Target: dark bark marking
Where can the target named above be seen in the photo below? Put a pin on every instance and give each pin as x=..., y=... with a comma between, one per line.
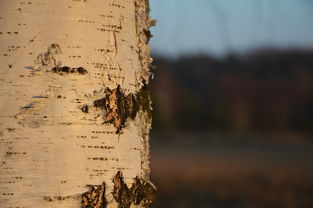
x=58, y=198
x=121, y=193
x=118, y=107
x=141, y=192
x=94, y=197
x=28, y=106
x=85, y=108
x=68, y=70
x=148, y=34
x=51, y=58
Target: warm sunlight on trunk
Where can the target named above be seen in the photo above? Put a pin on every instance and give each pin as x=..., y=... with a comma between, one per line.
x=75, y=107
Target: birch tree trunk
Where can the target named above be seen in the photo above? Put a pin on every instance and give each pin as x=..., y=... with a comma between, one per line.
x=75, y=110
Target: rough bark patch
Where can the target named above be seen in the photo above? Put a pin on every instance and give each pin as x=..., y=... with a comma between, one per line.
x=141, y=192
x=118, y=107
x=95, y=197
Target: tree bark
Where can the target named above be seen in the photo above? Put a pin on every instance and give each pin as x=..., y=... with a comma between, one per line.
x=75, y=110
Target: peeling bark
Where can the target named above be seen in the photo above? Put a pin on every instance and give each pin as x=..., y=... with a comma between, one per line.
x=75, y=107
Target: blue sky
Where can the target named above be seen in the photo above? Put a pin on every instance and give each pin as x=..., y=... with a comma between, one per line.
x=220, y=26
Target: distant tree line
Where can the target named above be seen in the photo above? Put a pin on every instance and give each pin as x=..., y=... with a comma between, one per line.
x=264, y=90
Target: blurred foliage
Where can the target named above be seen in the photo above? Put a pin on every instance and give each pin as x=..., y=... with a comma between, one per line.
x=263, y=90
x=242, y=191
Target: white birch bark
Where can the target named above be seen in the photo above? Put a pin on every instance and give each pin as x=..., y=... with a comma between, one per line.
x=57, y=58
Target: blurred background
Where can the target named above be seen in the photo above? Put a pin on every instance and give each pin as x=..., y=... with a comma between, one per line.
x=233, y=103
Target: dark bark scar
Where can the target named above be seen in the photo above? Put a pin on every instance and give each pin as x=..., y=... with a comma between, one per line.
x=117, y=107
x=140, y=193
x=94, y=197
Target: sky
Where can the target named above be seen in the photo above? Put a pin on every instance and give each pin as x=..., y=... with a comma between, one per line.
x=221, y=26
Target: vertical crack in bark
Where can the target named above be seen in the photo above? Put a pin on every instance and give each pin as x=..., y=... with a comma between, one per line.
x=141, y=192
x=95, y=197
